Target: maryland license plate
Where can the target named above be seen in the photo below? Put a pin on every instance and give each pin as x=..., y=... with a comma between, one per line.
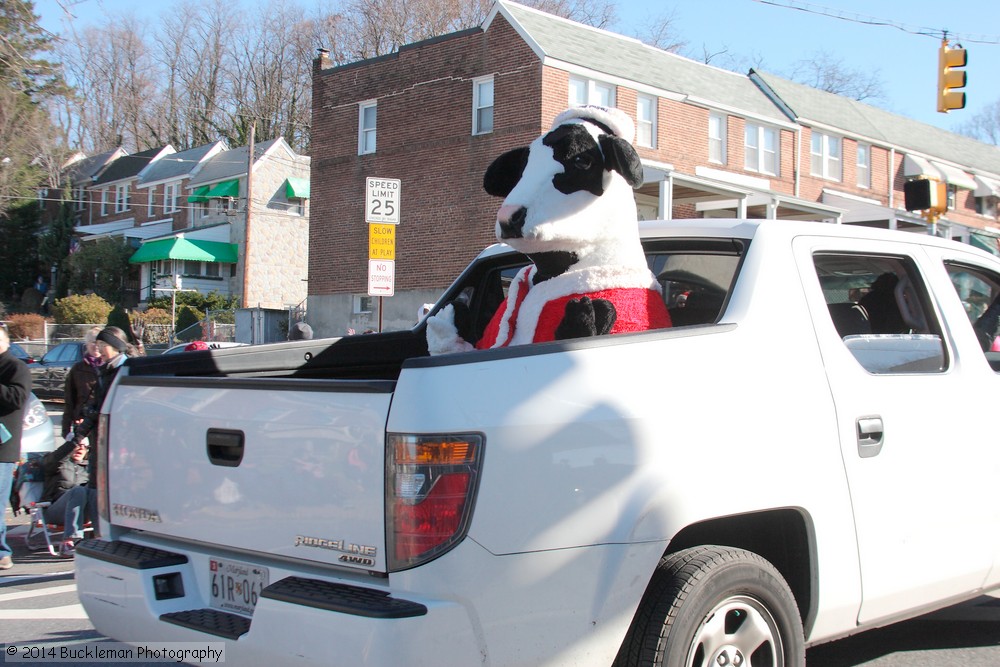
x=236, y=586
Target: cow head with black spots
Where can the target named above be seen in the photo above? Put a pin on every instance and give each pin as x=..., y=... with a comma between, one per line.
x=568, y=196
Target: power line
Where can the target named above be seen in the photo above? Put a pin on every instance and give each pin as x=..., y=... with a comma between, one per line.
x=852, y=17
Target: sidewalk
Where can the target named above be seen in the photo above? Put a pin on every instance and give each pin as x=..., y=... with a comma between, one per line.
x=29, y=563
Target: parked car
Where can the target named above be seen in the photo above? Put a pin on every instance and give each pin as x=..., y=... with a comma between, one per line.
x=48, y=374
x=21, y=353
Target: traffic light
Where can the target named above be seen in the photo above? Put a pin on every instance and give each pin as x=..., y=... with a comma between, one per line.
x=951, y=77
x=925, y=194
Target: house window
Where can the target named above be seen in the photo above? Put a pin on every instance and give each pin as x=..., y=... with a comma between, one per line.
x=205, y=208
x=362, y=304
x=824, y=156
x=587, y=91
x=645, y=127
x=192, y=268
x=212, y=269
x=80, y=198
x=121, y=198
x=986, y=206
x=717, y=138
x=761, y=152
x=104, y=201
x=171, y=195
x=150, y=198
x=952, y=196
x=864, y=167
x=366, y=127
x=482, y=105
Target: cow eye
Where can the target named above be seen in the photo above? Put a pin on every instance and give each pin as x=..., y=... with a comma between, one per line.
x=583, y=162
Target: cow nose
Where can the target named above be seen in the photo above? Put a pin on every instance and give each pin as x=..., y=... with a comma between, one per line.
x=511, y=220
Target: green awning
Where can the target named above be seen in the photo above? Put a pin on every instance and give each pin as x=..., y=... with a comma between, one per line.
x=984, y=241
x=225, y=189
x=297, y=188
x=181, y=248
x=198, y=195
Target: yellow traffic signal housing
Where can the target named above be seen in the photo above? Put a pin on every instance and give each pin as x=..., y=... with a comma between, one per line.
x=950, y=77
x=925, y=194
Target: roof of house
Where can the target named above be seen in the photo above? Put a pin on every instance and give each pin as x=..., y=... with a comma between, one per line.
x=230, y=164
x=811, y=105
x=83, y=171
x=558, y=39
x=179, y=164
x=130, y=166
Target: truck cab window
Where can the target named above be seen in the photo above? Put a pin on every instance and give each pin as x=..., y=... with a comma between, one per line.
x=979, y=292
x=880, y=308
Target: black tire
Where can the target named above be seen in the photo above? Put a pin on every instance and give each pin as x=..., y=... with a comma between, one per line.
x=715, y=606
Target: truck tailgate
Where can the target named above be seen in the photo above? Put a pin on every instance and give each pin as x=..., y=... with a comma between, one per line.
x=292, y=468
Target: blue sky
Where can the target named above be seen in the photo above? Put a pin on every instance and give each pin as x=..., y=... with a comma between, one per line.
x=772, y=34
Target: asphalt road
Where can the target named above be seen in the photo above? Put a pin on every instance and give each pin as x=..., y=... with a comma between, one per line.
x=38, y=605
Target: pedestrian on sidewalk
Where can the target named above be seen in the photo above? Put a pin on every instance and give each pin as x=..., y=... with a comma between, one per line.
x=15, y=386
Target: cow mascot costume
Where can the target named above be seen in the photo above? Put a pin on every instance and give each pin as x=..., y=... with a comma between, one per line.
x=569, y=207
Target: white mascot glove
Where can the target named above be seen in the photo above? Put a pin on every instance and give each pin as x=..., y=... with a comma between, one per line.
x=442, y=336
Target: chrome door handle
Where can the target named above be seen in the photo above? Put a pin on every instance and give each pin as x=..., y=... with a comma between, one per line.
x=871, y=435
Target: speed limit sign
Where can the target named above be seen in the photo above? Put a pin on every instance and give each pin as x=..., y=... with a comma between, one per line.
x=382, y=200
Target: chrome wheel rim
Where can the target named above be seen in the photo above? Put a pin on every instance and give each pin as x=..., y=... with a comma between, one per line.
x=738, y=632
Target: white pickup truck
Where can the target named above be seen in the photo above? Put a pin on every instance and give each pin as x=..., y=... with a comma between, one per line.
x=799, y=458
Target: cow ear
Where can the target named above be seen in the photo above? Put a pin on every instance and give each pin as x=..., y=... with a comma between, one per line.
x=505, y=172
x=620, y=156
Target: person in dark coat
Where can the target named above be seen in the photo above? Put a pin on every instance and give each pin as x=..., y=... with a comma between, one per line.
x=80, y=381
x=66, y=488
x=114, y=348
x=15, y=386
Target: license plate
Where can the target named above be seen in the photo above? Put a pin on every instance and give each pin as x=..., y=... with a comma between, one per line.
x=235, y=586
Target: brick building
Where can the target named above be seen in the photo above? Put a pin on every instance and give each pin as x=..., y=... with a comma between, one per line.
x=186, y=214
x=713, y=144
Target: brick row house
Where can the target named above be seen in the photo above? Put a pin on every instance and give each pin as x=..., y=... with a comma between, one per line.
x=186, y=215
x=713, y=143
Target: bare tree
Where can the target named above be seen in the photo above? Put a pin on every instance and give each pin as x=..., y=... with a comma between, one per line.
x=662, y=33
x=984, y=126
x=827, y=72
x=116, y=84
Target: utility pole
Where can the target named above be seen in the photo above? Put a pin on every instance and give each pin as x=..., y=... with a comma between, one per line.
x=246, y=226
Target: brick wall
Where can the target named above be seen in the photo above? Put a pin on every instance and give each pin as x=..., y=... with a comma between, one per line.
x=424, y=137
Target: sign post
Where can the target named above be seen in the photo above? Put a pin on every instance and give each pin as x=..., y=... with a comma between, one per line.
x=382, y=211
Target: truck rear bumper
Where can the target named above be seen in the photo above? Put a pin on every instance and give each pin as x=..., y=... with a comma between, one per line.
x=468, y=607
x=131, y=594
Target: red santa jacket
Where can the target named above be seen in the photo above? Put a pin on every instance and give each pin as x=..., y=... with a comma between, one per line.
x=531, y=313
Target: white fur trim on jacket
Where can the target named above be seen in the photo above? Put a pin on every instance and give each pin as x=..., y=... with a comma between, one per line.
x=580, y=281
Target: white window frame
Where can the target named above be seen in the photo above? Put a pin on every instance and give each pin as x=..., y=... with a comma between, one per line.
x=589, y=91
x=104, y=201
x=171, y=197
x=756, y=149
x=645, y=121
x=826, y=153
x=366, y=147
x=987, y=206
x=863, y=166
x=718, y=135
x=121, y=198
x=362, y=303
x=151, y=192
x=80, y=198
x=480, y=104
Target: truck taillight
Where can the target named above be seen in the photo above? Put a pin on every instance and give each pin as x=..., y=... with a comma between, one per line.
x=430, y=490
x=103, y=506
